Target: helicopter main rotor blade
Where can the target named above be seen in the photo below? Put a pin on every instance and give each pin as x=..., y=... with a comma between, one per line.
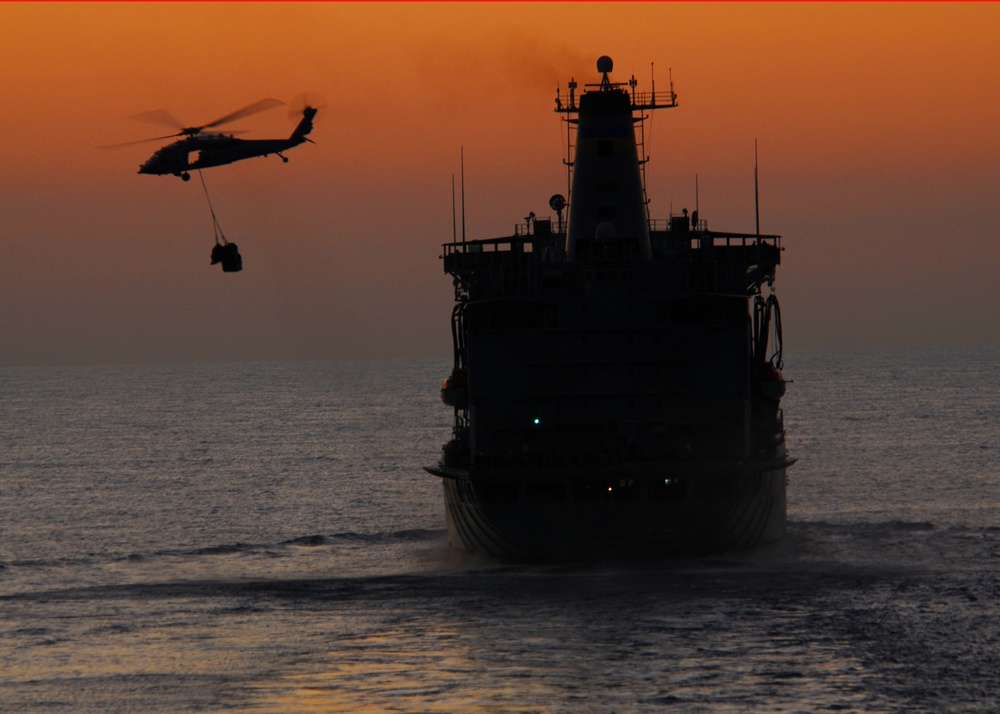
x=260, y=106
x=111, y=147
x=160, y=116
x=165, y=118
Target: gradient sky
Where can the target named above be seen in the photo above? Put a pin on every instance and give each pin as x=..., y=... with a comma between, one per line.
x=878, y=129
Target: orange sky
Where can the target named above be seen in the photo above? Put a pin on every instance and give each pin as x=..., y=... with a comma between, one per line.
x=878, y=128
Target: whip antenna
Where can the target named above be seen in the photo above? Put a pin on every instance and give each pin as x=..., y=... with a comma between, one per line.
x=756, y=195
x=454, y=229
x=463, y=194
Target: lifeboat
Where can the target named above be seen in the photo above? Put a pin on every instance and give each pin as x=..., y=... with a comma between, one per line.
x=455, y=390
x=770, y=382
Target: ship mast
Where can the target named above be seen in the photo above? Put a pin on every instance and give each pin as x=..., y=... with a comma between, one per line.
x=607, y=197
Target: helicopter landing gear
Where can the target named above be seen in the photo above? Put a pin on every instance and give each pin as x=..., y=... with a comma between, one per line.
x=185, y=176
x=283, y=158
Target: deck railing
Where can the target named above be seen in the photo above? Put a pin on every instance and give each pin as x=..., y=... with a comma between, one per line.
x=525, y=240
x=523, y=263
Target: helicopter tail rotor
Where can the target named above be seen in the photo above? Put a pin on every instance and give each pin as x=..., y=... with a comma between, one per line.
x=297, y=107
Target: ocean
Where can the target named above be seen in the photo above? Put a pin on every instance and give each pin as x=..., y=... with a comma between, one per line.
x=262, y=537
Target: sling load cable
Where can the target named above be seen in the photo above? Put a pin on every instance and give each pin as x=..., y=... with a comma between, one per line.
x=224, y=252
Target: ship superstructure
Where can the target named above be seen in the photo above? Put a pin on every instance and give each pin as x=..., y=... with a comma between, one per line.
x=616, y=381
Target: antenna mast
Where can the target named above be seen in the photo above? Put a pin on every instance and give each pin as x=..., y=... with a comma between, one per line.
x=756, y=195
x=463, y=193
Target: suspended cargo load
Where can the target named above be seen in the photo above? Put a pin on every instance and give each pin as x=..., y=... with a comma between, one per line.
x=229, y=256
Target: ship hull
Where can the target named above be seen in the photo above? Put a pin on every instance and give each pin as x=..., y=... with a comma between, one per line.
x=572, y=515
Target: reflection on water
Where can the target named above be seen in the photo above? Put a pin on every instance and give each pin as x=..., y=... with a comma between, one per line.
x=592, y=642
x=263, y=537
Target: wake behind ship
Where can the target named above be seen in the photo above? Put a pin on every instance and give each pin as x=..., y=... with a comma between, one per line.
x=616, y=380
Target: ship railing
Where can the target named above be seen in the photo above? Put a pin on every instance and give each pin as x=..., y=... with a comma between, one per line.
x=506, y=266
x=538, y=226
x=733, y=240
x=654, y=100
x=681, y=228
x=521, y=247
x=721, y=262
x=640, y=101
x=491, y=246
x=678, y=224
x=519, y=264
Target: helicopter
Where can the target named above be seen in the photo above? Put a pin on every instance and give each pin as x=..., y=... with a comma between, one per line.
x=216, y=148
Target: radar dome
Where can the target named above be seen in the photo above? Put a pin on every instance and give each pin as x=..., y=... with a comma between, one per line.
x=604, y=64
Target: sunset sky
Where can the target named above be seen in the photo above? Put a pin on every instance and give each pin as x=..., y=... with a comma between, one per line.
x=878, y=127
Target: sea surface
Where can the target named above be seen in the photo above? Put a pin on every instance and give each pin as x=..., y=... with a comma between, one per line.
x=262, y=537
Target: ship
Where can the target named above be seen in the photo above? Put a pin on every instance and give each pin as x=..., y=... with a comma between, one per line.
x=617, y=379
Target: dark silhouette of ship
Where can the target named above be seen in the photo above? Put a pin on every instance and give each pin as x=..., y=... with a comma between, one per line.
x=616, y=380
